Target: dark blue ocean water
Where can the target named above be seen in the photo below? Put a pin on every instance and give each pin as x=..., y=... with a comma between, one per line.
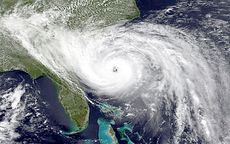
x=146, y=7
x=46, y=116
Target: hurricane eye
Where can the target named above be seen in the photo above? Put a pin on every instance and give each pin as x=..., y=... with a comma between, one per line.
x=115, y=69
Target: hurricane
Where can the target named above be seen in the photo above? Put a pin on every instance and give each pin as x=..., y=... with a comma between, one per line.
x=157, y=67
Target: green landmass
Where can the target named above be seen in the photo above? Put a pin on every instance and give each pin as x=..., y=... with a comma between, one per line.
x=14, y=57
x=77, y=13
x=80, y=13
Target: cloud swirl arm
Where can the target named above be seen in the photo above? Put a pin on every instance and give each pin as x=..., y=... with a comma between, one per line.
x=160, y=66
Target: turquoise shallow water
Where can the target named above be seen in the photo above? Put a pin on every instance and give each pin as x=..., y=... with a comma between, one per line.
x=122, y=130
x=104, y=131
x=207, y=16
x=106, y=137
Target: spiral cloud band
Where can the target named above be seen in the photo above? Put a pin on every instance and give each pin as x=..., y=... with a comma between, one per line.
x=143, y=60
